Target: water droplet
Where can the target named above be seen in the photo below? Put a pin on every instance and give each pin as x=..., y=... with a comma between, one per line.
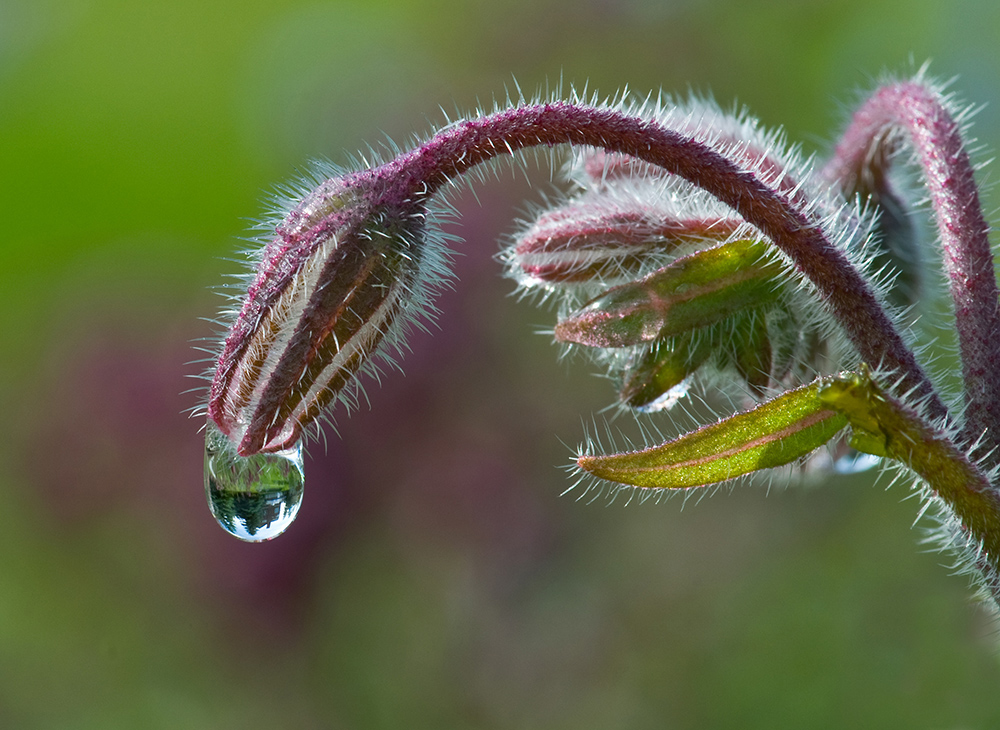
x=669, y=399
x=855, y=462
x=256, y=497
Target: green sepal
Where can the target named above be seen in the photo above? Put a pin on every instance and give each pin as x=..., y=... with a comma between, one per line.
x=653, y=372
x=856, y=396
x=773, y=434
x=752, y=352
x=694, y=291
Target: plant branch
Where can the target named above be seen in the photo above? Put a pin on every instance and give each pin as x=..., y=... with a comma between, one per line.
x=883, y=426
x=777, y=213
x=919, y=111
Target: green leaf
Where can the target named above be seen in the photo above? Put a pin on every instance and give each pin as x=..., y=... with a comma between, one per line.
x=773, y=434
x=694, y=291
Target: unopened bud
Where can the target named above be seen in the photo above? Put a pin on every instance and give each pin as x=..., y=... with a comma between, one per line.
x=593, y=238
x=329, y=287
x=752, y=354
x=653, y=375
x=694, y=291
x=897, y=248
x=896, y=243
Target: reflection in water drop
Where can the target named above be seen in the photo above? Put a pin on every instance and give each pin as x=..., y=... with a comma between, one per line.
x=256, y=497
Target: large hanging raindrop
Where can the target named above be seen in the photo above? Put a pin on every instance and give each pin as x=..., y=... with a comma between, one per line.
x=256, y=497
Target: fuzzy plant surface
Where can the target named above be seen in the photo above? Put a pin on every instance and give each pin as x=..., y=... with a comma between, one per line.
x=693, y=254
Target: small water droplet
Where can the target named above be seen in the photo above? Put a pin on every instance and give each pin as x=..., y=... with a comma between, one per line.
x=669, y=399
x=256, y=497
x=855, y=462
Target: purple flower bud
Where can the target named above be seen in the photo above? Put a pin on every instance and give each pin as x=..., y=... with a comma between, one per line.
x=340, y=270
x=593, y=238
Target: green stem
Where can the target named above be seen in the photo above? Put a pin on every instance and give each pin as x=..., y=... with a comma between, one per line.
x=883, y=426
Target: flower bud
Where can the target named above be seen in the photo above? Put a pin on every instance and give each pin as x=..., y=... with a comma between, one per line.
x=653, y=375
x=896, y=246
x=752, y=353
x=596, y=238
x=700, y=289
x=329, y=287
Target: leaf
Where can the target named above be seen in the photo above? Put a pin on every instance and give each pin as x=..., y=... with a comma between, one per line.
x=773, y=434
x=694, y=291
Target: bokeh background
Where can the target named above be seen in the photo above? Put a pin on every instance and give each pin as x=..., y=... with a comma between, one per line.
x=436, y=578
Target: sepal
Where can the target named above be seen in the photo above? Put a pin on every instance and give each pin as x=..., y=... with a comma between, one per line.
x=773, y=434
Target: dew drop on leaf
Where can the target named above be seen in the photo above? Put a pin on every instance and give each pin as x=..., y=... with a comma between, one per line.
x=256, y=497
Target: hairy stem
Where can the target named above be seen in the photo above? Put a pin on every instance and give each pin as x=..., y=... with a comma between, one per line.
x=776, y=213
x=919, y=112
x=880, y=421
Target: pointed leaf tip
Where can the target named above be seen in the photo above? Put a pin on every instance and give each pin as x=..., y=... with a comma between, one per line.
x=773, y=434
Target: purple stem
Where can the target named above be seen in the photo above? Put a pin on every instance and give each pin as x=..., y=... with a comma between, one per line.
x=779, y=214
x=918, y=111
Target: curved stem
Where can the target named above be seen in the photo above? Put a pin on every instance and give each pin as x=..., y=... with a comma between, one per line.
x=781, y=216
x=878, y=420
x=918, y=111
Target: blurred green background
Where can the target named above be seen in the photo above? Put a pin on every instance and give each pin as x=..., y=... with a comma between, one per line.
x=435, y=579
